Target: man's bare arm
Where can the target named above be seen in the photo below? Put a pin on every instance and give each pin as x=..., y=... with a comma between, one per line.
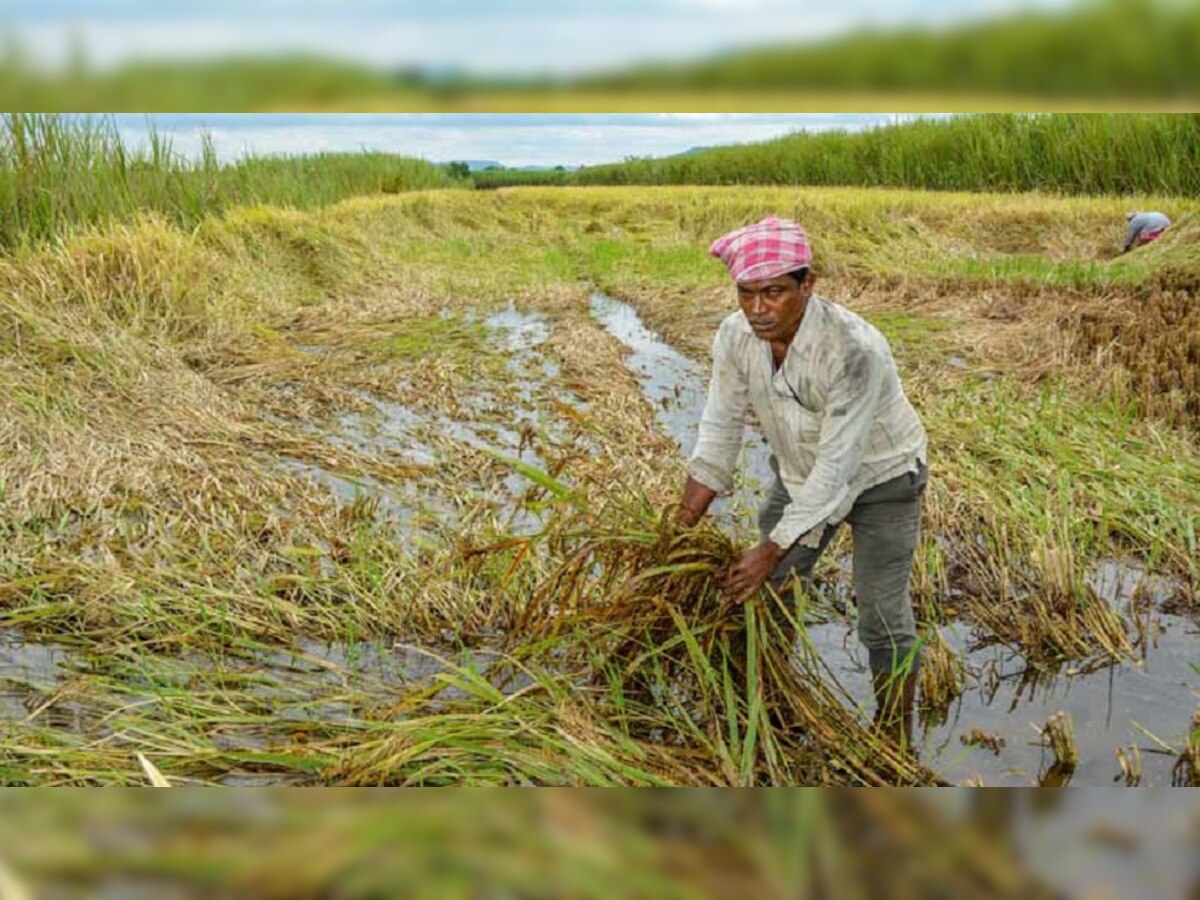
x=695, y=502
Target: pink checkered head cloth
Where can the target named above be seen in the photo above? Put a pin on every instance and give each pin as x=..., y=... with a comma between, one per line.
x=766, y=249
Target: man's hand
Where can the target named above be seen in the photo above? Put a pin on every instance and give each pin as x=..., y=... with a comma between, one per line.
x=752, y=570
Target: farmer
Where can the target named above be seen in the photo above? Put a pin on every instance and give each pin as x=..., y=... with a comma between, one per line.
x=846, y=446
x=1144, y=227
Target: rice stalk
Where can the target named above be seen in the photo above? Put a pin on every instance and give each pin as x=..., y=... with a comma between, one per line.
x=156, y=777
x=1059, y=735
x=1186, y=771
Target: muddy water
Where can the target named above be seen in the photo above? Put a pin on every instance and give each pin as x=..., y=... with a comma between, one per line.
x=502, y=427
x=27, y=671
x=310, y=683
x=1145, y=704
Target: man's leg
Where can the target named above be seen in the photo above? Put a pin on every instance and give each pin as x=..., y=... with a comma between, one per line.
x=886, y=524
x=798, y=563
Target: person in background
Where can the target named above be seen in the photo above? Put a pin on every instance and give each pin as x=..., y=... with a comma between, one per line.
x=1144, y=227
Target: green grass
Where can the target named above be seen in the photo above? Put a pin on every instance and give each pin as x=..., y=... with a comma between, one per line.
x=911, y=334
x=497, y=178
x=58, y=175
x=1061, y=153
x=436, y=336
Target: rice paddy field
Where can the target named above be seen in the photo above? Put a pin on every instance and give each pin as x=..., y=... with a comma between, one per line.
x=380, y=493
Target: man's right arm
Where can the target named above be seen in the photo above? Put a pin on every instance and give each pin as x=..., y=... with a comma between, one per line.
x=710, y=469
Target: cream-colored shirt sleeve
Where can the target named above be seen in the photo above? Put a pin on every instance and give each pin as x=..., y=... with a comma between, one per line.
x=845, y=428
x=724, y=420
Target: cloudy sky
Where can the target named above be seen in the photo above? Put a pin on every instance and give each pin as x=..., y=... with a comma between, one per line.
x=487, y=37
x=514, y=139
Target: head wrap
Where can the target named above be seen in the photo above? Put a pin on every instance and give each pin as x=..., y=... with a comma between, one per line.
x=766, y=249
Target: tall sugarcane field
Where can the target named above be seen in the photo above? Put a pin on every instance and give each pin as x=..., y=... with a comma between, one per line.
x=378, y=483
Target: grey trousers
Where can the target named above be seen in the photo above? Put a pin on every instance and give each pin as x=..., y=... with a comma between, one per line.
x=885, y=524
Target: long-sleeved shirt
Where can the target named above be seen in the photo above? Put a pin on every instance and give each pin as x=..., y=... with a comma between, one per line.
x=1144, y=223
x=833, y=413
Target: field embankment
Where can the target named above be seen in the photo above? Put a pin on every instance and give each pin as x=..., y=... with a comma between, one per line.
x=245, y=459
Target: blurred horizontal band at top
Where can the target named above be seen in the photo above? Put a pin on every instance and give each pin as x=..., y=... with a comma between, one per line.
x=678, y=55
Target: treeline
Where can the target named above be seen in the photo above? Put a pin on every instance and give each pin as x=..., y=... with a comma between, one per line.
x=485, y=179
x=1062, y=153
x=58, y=173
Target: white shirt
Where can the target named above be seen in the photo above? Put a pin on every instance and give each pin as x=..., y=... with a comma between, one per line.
x=834, y=415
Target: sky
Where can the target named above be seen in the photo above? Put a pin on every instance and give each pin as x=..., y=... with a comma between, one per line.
x=483, y=37
x=513, y=139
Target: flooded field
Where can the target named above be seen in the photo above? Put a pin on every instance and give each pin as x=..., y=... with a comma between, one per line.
x=407, y=519
x=990, y=732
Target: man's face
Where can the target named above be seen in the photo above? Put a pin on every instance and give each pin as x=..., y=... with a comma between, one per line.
x=775, y=306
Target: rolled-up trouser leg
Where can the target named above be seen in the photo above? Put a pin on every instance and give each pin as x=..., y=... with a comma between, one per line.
x=886, y=523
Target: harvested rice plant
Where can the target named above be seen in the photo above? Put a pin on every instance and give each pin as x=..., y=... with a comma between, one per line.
x=380, y=492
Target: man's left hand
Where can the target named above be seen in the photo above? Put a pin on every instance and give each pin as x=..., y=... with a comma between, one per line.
x=752, y=569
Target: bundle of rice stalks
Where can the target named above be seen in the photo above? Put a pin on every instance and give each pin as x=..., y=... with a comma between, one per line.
x=1151, y=338
x=647, y=571
x=1051, y=614
x=642, y=598
x=629, y=665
